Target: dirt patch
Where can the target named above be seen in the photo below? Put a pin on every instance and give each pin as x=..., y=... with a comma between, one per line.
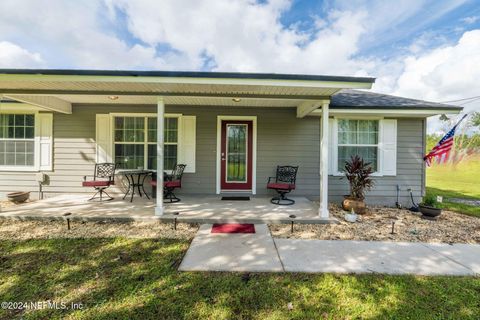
x=451, y=227
x=20, y=230
x=45, y=229
x=7, y=204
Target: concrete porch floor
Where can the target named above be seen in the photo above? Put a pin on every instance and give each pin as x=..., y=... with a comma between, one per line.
x=197, y=209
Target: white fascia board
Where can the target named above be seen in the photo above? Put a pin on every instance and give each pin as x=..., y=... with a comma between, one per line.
x=45, y=102
x=424, y=113
x=188, y=80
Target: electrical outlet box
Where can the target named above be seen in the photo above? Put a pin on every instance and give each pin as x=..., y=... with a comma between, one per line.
x=40, y=177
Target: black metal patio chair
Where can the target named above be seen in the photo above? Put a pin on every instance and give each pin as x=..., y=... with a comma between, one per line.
x=283, y=183
x=103, y=177
x=170, y=183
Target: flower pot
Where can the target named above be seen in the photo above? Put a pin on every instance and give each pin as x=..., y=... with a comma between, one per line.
x=429, y=211
x=351, y=217
x=18, y=197
x=357, y=205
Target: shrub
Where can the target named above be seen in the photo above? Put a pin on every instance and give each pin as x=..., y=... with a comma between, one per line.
x=430, y=200
x=358, y=173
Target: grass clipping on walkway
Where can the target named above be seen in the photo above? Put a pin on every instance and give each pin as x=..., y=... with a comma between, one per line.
x=451, y=227
x=119, y=278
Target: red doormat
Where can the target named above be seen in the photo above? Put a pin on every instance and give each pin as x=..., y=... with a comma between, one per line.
x=233, y=228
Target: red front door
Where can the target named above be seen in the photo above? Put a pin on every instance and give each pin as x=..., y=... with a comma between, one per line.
x=236, y=155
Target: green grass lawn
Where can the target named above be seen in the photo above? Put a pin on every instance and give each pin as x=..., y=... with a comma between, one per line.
x=137, y=279
x=462, y=181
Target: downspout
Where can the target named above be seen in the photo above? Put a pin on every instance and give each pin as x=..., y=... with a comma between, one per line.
x=424, y=151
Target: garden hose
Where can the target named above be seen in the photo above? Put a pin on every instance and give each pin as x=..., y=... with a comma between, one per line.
x=414, y=208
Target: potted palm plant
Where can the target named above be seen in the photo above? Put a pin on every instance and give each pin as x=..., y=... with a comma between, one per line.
x=429, y=206
x=358, y=174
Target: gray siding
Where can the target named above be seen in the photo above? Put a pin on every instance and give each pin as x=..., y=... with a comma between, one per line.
x=281, y=139
x=410, y=169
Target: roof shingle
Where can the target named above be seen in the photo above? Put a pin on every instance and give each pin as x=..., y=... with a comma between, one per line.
x=347, y=98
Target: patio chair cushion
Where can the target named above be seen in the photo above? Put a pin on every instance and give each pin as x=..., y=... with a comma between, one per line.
x=173, y=184
x=97, y=183
x=281, y=186
x=153, y=183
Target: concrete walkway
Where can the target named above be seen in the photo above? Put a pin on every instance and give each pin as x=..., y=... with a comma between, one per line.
x=260, y=253
x=232, y=252
x=338, y=256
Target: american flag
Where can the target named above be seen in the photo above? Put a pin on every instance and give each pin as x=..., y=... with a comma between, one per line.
x=441, y=151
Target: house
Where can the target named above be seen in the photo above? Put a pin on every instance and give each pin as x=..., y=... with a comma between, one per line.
x=61, y=122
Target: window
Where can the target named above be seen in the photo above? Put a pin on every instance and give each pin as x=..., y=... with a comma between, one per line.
x=17, y=140
x=135, y=142
x=358, y=137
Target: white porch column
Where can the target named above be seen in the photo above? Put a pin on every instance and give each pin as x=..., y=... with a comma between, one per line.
x=323, y=210
x=160, y=125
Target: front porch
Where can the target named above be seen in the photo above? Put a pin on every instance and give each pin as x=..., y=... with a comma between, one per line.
x=192, y=209
x=89, y=117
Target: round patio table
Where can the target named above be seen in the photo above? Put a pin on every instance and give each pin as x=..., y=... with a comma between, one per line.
x=140, y=175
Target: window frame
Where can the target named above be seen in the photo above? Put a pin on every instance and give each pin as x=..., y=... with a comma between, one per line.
x=146, y=143
x=334, y=140
x=36, y=141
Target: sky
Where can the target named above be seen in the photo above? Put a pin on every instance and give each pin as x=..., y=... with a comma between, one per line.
x=422, y=49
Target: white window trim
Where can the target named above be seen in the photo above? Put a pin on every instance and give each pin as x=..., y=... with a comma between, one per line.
x=143, y=115
x=334, y=140
x=219, y=148
x=36, y=139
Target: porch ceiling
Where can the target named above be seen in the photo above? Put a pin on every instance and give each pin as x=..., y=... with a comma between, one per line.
x=182, y=100
x=173, y=94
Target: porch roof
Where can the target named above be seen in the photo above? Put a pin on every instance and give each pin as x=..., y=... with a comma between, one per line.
x=58, y=89
x=356, y=99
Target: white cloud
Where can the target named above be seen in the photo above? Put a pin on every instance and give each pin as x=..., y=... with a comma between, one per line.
x=245, y=35
x=443, y=74
x=73, y=34
x=470, y=20
x=446, y=73
x=395, y=21
x=13, y=56
x=239, y=35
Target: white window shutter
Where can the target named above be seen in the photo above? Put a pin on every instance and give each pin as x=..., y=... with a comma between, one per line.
x=332, y=145
x=187, y=144
x=388, y=147
x=45, y=138
x=103, y=139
